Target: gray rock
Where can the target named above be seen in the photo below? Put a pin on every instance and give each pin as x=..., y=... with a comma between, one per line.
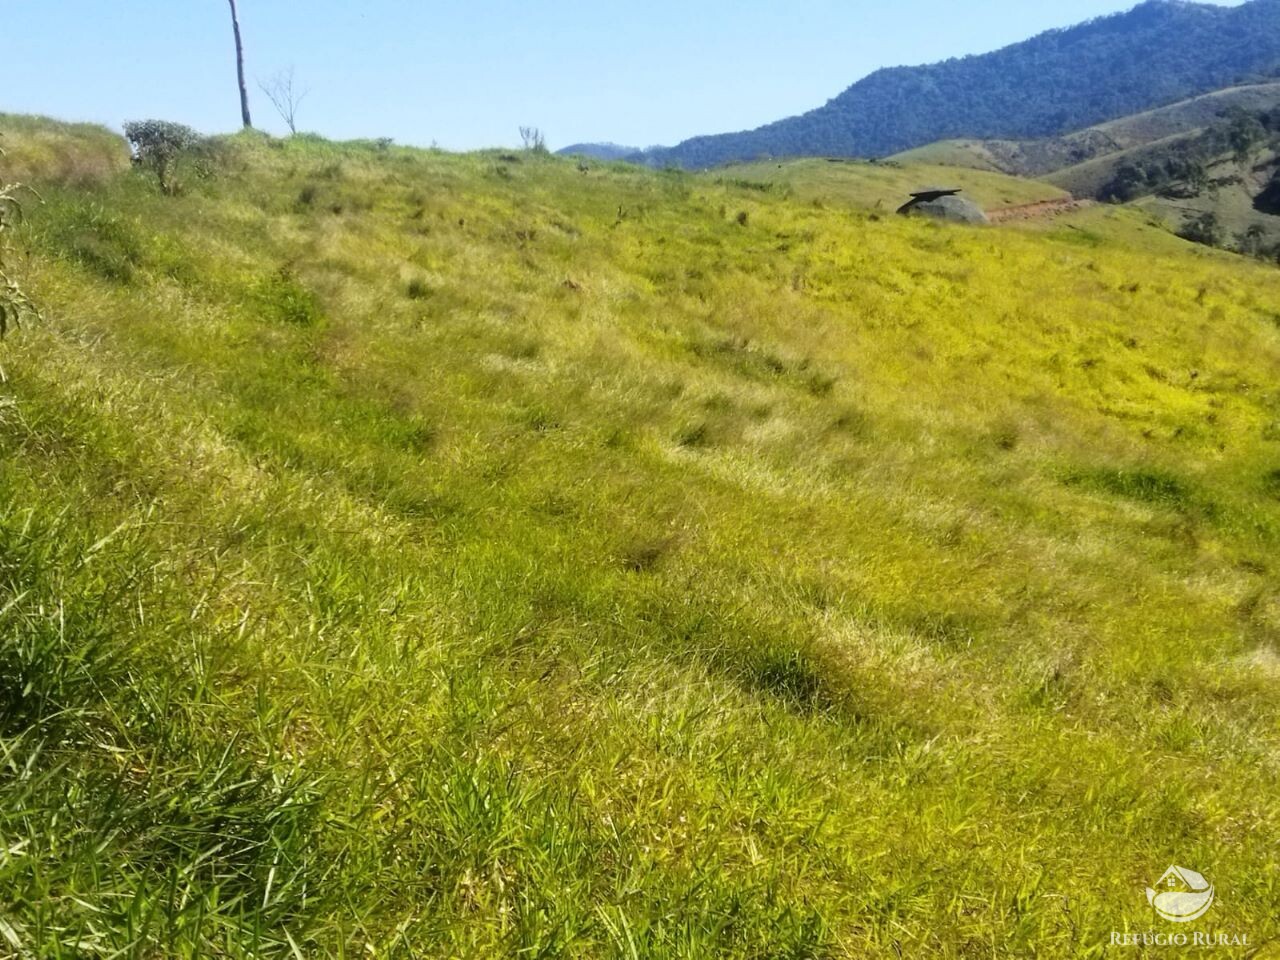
x=945, y=207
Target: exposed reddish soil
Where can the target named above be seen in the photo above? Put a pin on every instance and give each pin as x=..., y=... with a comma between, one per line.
x=1037, y=211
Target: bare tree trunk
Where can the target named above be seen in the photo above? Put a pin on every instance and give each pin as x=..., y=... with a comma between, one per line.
x=244, y=91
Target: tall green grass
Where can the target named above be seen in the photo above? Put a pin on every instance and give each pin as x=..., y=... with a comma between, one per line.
x=414, y=554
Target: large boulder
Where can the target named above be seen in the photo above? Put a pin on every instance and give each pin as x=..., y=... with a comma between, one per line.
x=948, y=207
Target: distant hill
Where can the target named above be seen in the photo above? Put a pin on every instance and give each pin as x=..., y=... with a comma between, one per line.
x=1035, y=158
x=1159, y=52
x=1218, y=185
x=1237, y=146
x=600, y=151
x=1208, y=167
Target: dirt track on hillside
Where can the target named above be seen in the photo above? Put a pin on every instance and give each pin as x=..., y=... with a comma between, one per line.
x=1040, y=210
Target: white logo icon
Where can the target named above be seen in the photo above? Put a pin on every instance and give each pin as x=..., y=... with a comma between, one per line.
x=1181, y=895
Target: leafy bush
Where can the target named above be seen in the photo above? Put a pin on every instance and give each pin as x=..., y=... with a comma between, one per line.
x=1128, y=183
x=1245, y=133
x=1252, y=242
x=157, y=144
x=1181, y=177
x=1205, y=228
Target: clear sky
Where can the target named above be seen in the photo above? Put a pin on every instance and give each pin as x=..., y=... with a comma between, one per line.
x=466, y=75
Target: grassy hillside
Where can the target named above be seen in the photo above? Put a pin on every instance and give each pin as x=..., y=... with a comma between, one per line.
x=1177, y=164
x=1230, y=196
x=1232, y=207
x=78, y=154
x=1088, y=178
x=964, y=154
x=1226, y=187
x=412, y=554
x=883, y=186
x=1098, y=148
x=1189, y=115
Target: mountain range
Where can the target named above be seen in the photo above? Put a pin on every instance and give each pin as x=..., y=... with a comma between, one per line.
x=1062, y=80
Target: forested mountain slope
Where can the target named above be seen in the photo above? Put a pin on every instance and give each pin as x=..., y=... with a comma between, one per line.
x=1063, y=80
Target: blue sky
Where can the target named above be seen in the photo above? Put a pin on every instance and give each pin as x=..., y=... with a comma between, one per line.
x=466, y=75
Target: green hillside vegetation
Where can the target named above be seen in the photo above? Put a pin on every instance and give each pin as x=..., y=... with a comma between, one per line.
x=79, y=154
x=1096, y=147
x=1191, y=115
x=1212, y=186
x=1238, y=143
x=878, y=185
x=1212, y=173
x=406, y=554
x=1092, y=177
x=964, y=154
x=1224, y=216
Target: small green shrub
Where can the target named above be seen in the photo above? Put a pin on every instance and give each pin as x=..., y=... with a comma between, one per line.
x=281, y=298
x=1205, y=228
x=158, y=144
